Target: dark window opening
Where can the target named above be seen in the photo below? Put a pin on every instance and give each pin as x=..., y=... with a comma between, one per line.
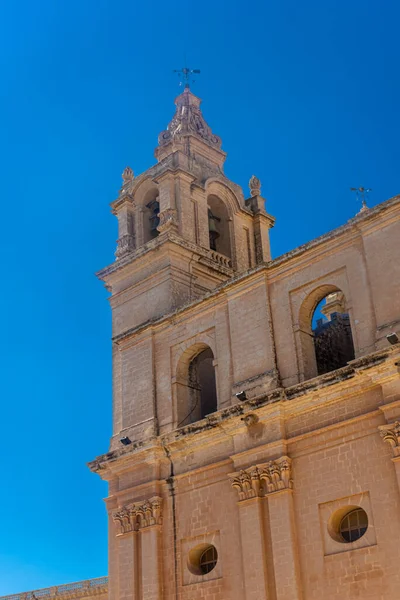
x=203, y=385
x=333, y=341
x=213, y=229
x=353, y=525
x=154, y=208
x=218, y=226
x=208, y=560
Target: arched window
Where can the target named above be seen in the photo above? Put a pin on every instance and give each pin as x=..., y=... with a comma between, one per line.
x=333, y=341
x=219, y=226
x=147, y=209
x=325, y=336
x=197, y=393
x=152, y=219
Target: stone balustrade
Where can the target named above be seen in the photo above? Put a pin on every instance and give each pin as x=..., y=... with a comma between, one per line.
x=221, y=259
x=87, y=587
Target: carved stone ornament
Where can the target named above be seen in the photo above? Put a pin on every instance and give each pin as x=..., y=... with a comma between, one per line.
x=255, y=186
x=168, y=220
x=138, y=515
x=188, y=119
x=127, y=175
x=391, y=434
x=125, y=245
x=263, y=479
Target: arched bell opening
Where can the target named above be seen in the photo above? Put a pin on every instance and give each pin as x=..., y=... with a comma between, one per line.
x=219, y=226
x=151, y=218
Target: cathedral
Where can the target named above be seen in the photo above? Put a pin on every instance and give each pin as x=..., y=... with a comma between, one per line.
x=255, y=452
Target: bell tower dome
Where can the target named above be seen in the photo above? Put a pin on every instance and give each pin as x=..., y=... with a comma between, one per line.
x=189, y=133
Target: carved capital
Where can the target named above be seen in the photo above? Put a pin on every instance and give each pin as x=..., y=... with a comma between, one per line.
x=277, y=475
x=247, y=483
x=391, y=433
x=138, y=515
x=264, y=479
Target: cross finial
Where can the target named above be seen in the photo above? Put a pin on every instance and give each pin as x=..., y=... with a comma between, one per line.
x=185, y=74
x=361, y=193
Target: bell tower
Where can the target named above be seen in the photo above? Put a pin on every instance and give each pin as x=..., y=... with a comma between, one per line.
x=184, y=228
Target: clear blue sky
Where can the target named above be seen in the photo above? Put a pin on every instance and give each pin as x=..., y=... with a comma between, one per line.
x=304, y=95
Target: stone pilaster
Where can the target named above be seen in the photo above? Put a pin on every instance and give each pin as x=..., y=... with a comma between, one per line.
x=128, y=567
x=124, y=209
x=270, y=480
x=248, y=486
x=390, y=433
x=167, y=199
x=139, y=531
x=151, y=565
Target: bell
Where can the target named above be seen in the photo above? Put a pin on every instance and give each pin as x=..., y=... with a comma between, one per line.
x=155, y=221
x=212, y=228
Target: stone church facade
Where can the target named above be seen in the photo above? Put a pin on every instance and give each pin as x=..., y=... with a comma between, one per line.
x=255, y=455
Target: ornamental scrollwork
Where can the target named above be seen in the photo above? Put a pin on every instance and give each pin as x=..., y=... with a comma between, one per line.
x=264, y=479
x=138, y=515
x=391, y=434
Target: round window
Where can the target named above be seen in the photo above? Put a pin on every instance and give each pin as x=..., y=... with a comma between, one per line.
x=202, y=559
x=353, y=525
x=208, y=559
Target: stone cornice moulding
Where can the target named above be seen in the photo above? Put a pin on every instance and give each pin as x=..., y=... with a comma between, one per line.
x=138, y=515
x=390, y=433
x=297, y=399
x=260, y=480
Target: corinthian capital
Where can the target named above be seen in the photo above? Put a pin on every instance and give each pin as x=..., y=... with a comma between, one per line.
x=264, y=479
x=246, y=483
x=277, y=475
x=391, y=433
x=138, y=515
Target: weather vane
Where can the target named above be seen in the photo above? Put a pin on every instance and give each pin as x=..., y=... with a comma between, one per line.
x=361, y=193
x=185, y=74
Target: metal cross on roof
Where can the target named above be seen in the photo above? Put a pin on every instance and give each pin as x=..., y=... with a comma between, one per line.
x=185, y=74
x=361, y=193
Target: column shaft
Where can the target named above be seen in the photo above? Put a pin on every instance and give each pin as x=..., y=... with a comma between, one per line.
x=128, y=567
x=151, y=565
x=285, y=554
x=253, y=549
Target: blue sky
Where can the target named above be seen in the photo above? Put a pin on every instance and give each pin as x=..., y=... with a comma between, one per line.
x=304, y=95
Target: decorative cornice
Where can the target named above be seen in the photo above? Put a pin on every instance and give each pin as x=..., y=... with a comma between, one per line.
x=264, y=479
x=391, y=433
x=138, y=515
